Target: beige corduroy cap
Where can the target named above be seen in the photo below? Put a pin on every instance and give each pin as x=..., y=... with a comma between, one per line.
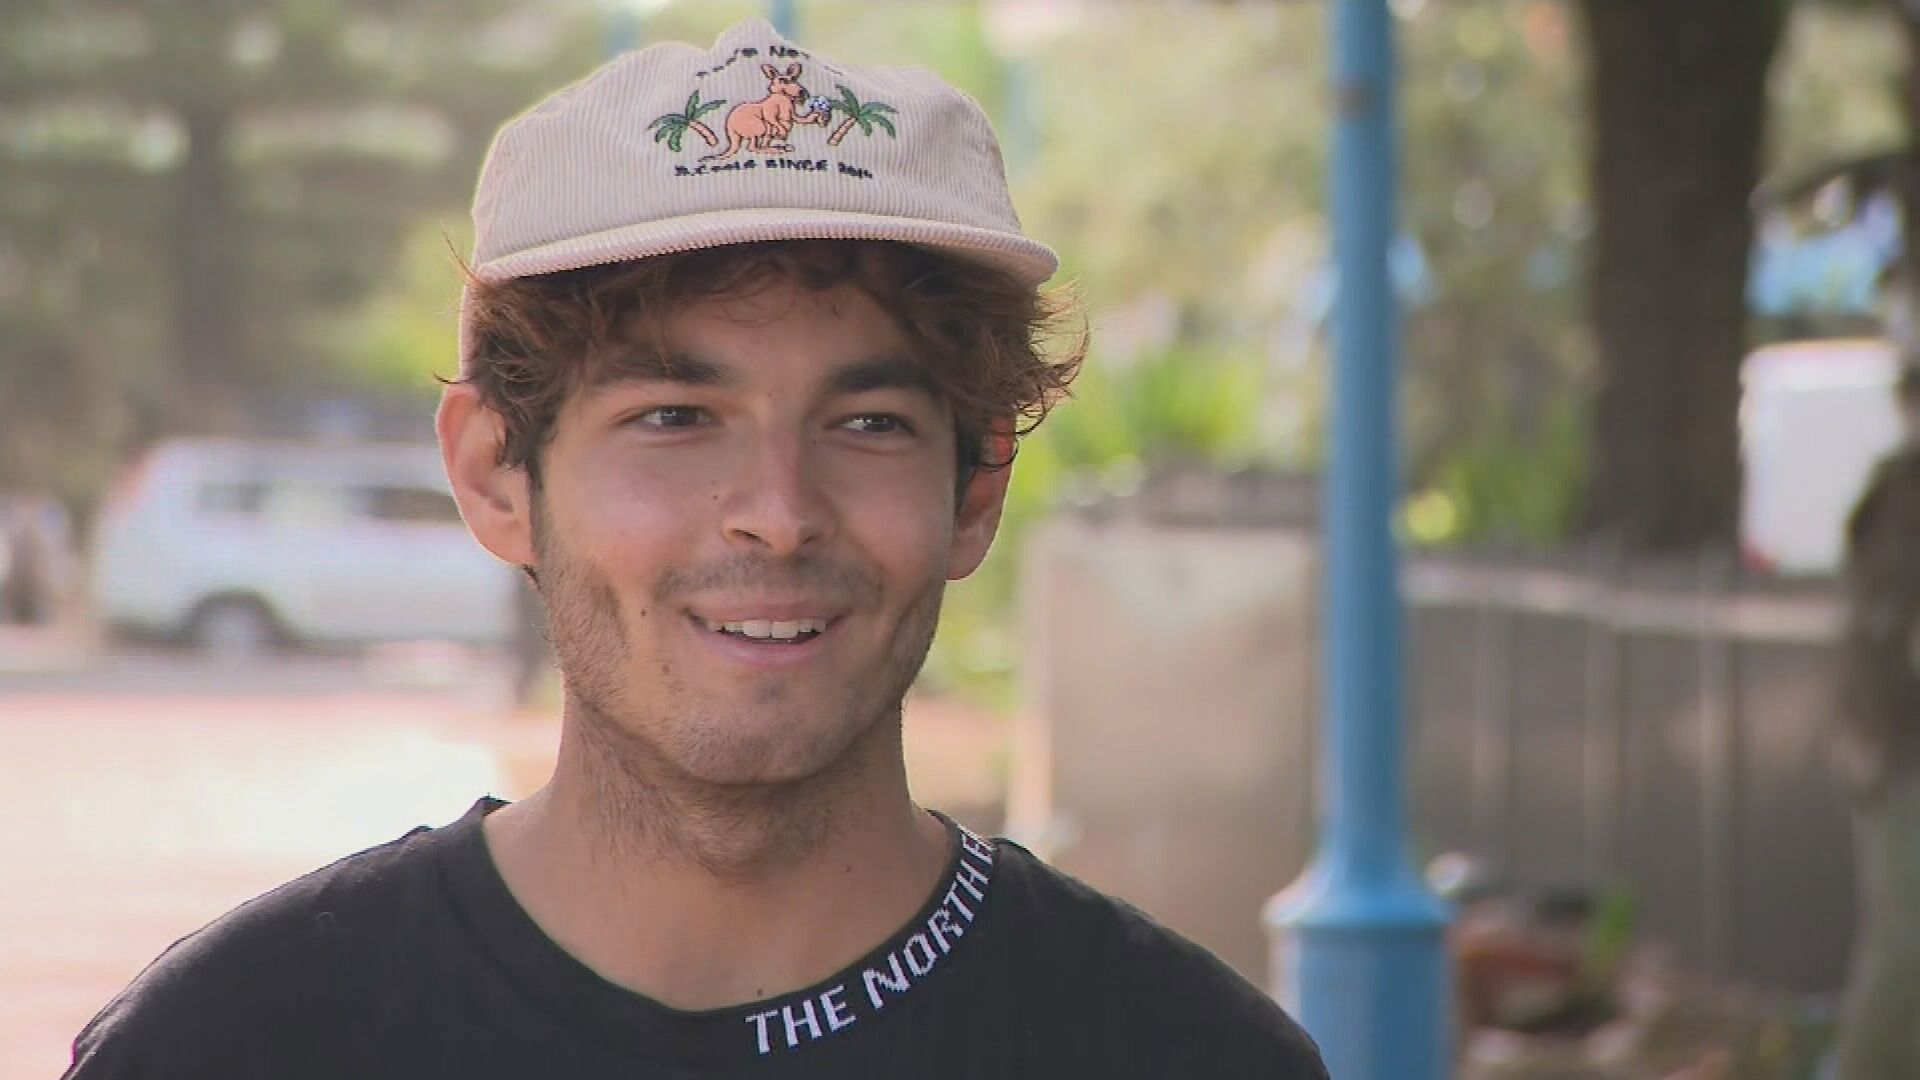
x=673, y=148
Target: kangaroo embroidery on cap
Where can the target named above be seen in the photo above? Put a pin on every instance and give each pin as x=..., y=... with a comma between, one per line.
x=764, y=125
x=767, y=125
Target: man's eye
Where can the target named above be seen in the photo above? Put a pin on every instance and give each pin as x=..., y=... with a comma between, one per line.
x=880, y=424
x=671, y=417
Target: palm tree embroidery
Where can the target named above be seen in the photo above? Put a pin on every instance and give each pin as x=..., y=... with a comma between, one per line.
x=867, y=114
x=674, y=126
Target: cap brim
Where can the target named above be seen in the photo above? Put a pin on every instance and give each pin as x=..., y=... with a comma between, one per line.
x=1028, y=262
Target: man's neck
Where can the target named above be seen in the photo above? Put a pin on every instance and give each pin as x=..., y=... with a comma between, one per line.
x=706, y=898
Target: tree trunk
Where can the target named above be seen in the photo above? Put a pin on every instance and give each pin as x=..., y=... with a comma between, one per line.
x=1879, y=692
x=206, y=342
x=1679, y=111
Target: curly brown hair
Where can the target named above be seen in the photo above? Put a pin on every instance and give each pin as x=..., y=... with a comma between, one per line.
x=982, y=336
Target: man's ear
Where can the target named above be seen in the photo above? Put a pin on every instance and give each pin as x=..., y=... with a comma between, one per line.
x=977, y=520
x=495, y=499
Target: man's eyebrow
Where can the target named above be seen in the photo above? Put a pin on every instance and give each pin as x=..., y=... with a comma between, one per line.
x=884, y=373
x=683, y=369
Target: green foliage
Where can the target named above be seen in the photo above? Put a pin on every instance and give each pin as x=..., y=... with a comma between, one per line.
x=1505, y=488
x=948, y=37
x=1178, y=152
x=1174, y=405
x=697, y=108
x=1607, y=942
x=403, y=340
x=196, y=200
x=673, y=127
x=1203, y=181
x=1835, y=90
x=867, y=114
x=1176, y=145
x=1496, y=195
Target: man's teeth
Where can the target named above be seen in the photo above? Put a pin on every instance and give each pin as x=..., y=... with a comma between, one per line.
x=768, y=628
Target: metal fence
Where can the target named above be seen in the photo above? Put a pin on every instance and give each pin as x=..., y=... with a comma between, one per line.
x=1664, y=728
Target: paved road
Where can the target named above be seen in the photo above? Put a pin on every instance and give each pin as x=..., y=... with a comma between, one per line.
x=142, y=794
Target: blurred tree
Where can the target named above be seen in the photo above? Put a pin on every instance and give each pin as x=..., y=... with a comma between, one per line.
x=1171, y=405
x=1499, y=357
x=1873, y=159
x=1905, y=177
x=405, y=338
x=1877, y=734
x=1678, y=114
x=1878, y=649
x=1166, y=186
x=196, y=194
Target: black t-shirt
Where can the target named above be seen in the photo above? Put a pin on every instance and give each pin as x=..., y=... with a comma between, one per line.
x=414, y=960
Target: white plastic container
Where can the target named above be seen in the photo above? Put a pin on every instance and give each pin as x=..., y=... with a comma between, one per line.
x=1815, y=417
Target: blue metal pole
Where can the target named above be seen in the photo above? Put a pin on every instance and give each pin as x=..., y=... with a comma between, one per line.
x=781, y=14
x=1358, y=942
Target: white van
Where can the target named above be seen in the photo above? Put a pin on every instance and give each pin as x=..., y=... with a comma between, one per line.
x=239, y=545
x=1815, y=417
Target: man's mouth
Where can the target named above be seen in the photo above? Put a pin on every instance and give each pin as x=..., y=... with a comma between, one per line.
x=769, y=631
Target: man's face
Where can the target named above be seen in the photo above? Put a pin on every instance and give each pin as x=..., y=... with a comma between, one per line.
x=743, y=555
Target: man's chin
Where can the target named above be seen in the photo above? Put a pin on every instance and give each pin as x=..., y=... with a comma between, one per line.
x=770, y=752
x=720, y=777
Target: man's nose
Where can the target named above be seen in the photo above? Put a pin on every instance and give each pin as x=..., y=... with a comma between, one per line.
x=777, y=504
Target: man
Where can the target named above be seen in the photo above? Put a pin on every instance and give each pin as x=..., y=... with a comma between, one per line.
x=740, y=424
x=1880, y=752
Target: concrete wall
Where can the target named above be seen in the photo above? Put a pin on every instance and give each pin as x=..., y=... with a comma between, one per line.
x=1166, y=754
x=1567, y=727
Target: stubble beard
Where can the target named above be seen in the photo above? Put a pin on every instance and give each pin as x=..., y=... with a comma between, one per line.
x=652, y=800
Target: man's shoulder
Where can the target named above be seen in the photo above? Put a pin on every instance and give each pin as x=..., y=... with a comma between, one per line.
x=288, y=959
x=1106, y=934
x=1150, y=992
x=346, y=904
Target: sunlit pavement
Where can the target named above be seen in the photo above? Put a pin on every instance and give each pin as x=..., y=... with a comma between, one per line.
x=142, y=794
